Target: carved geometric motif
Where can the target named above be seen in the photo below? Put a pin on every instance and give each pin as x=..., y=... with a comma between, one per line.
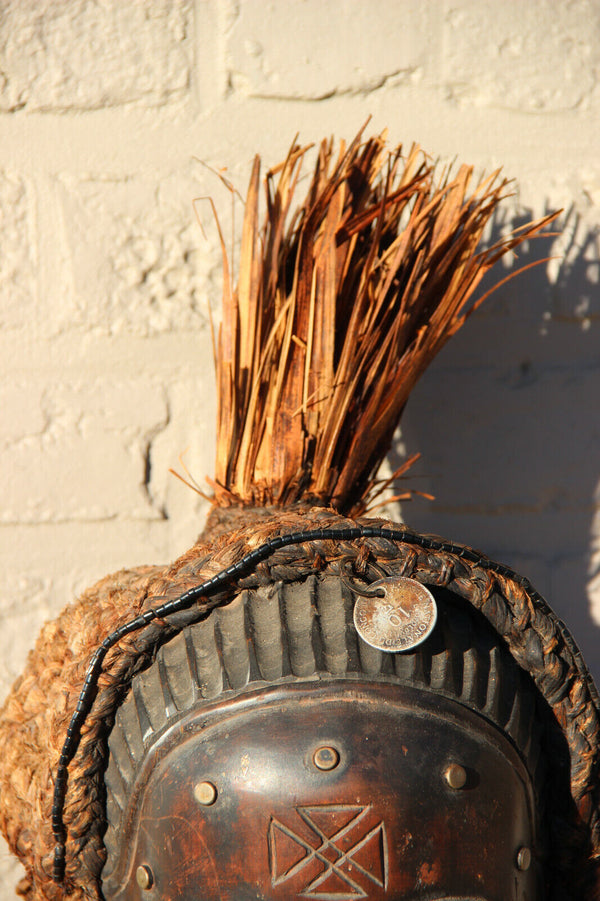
x=337, y=859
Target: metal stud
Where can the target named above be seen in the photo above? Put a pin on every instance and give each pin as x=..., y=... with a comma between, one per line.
x=326, y=758
x=524, y=858
x=144, y=877
x=205, y=793
x=456, y=776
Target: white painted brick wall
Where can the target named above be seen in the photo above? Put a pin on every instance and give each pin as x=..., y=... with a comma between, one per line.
x=105, y=354
x=81, y=55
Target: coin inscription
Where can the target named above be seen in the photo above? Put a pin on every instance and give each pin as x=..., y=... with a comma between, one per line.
x=400, y=619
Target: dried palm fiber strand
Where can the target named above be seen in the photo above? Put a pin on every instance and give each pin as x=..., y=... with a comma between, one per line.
x=339, y=307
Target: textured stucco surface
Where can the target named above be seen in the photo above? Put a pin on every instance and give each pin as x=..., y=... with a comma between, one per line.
x=113, y=118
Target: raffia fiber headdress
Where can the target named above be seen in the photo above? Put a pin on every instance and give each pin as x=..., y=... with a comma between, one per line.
x=341, y=302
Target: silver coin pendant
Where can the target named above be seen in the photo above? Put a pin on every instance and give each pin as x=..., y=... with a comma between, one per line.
x=400, y=619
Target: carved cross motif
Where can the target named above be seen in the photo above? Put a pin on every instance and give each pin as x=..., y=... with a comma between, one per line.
x=338, y=859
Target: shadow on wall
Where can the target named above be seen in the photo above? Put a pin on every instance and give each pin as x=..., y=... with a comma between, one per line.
x=506, y=421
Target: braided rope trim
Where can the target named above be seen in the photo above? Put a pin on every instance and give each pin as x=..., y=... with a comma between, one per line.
x=537, y=639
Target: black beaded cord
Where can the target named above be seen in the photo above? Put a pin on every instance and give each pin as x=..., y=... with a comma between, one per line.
x=222, y=578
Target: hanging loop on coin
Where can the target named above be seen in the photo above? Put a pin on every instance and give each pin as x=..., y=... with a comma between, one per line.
x=353, y=586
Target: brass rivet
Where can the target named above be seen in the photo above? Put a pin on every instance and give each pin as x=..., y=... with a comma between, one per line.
x=456, y=776
x=144, y=877
x=205, y=793
x=326, y=758
x=524, y=858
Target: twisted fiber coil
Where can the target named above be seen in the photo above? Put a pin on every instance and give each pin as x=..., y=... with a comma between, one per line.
x=35, y=716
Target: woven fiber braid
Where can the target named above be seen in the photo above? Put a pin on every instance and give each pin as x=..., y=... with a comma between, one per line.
x=35, y=716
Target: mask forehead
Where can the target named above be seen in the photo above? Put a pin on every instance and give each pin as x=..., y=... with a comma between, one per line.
x=330, y=790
